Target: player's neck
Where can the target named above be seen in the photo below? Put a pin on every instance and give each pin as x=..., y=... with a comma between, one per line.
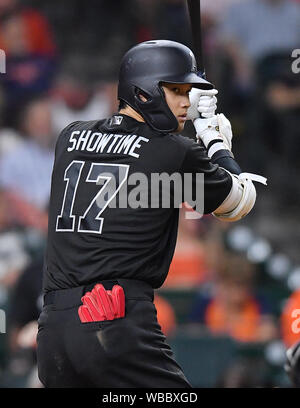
x=129, y=111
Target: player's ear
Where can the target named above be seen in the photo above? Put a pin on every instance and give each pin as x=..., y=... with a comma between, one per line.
x=142, y=98
x=141, y=95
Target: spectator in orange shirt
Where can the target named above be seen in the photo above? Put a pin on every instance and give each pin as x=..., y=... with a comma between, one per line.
x=165, y=315
x=37, y=33
x=290, y=320
x=234, y=309
x=188, y=267
x=30, y=56
x=25, y=172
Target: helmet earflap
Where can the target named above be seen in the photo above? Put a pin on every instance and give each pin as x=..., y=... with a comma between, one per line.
x=155, y=109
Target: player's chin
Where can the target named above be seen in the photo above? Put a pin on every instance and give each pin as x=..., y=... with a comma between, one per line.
x=181, y=124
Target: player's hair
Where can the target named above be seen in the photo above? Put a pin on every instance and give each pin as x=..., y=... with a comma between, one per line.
x=122, y=104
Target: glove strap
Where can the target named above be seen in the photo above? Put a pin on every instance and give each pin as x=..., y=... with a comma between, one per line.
x=253, y=177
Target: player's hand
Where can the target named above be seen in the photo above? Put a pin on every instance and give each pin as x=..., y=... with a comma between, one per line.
x=292, y=365
x=203, y=103
x=216, y=129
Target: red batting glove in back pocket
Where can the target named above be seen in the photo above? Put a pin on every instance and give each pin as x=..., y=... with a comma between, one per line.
x=101, y=304
x=118, y=298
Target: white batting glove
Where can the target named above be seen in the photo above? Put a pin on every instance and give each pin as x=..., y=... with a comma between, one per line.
x=215, y=132
x=203, y=103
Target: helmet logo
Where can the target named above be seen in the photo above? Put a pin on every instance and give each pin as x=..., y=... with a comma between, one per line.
x=194, y=64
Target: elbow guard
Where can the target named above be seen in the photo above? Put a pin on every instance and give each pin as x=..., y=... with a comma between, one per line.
x=241, y=198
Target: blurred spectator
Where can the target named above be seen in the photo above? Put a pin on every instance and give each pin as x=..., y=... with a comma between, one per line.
x=169, y=20
x=251, y=31
x=212, y=15
x=246, y=373
x=37, y=33
x=25, y=302
x=145, y=14
x=188, y=267
x=165, y=315
x=233, y=309
x=13, y=259
x=281, y=97
x=277, y=124
x=258, y=87
x=273, y=124
x=74, y=99
x=254, y=29
x=97, y=33
x=30, y=55
x=290, y=320
x=24, y=308
x=217, y=9
x=9, y=140
x=25, y=173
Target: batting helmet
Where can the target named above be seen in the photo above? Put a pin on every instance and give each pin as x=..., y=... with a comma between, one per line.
x=143, y=69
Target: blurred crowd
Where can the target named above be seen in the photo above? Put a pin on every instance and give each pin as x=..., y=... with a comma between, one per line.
x=62, y=62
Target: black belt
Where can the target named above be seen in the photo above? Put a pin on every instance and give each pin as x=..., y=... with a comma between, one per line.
x=133, y=289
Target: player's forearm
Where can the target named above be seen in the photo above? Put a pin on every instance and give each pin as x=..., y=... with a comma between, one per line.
x=215, y=133
x=226, y=160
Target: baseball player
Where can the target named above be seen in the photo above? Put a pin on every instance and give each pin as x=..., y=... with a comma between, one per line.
x=98, y=327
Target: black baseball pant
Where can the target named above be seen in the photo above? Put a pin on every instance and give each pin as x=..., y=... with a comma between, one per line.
x=121, y=353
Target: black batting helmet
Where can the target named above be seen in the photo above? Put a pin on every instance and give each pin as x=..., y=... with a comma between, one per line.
x=143, y=69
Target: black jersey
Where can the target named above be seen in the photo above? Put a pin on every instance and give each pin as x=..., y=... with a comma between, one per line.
x=90, y=240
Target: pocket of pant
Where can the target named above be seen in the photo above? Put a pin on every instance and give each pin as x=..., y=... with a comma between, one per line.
x=98, y=325
x=115, y=338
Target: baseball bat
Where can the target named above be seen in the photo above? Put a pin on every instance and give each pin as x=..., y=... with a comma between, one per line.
x=194, y=7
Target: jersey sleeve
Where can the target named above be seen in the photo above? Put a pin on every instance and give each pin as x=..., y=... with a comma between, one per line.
x=216, y=184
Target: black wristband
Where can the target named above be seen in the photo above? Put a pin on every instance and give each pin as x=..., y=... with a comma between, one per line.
x=224, y=158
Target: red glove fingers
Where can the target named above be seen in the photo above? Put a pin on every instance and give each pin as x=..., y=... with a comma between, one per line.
x=84, y=314
x=112, y=304
x=119, y=300
x=102, y=299
x=96, y=310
